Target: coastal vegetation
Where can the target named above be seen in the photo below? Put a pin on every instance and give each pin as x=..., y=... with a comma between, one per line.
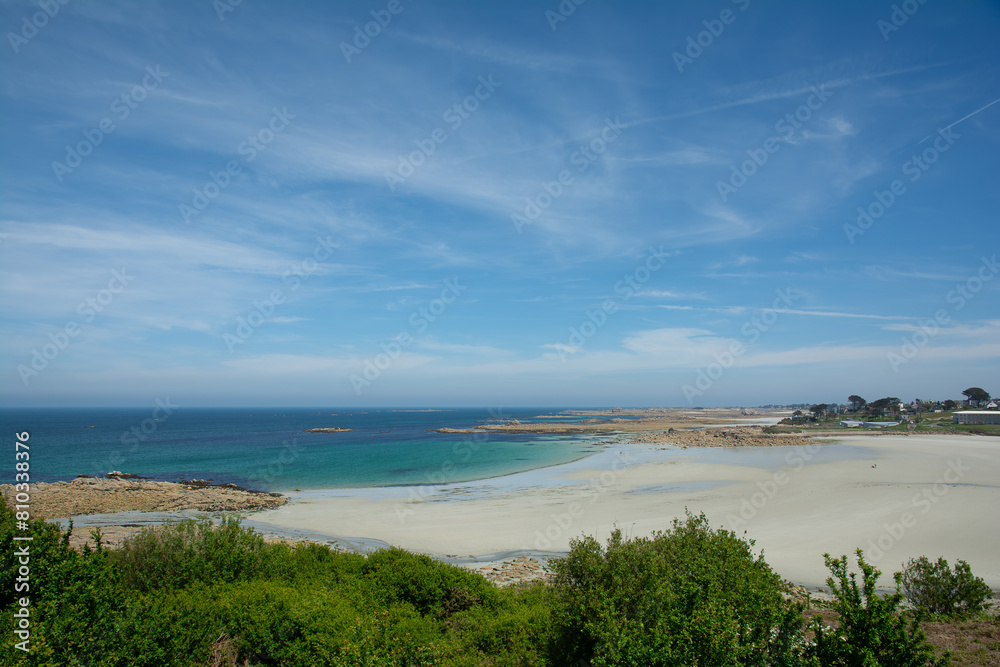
x=892, y=408
x=940, y=424
x=939, y=590
x=920, y=416
x=201, y=594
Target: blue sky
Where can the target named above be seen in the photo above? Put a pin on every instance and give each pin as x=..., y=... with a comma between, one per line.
x=498, y=203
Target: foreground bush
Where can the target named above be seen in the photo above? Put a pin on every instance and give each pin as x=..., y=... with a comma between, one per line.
x=272, y=623
x=935, y=588
x=74, y=604
x=196, y=594
x=431, y=587
x=512, y=634
x=872, y=631
x=179, y=554
x=687, y=596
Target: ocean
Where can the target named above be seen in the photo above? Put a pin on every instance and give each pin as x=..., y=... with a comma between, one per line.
x=267, y=448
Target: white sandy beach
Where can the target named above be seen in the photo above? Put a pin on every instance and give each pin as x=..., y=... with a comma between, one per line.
x=927, y=495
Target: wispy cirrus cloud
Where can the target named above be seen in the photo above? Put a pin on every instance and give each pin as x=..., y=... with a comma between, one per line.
x=538, y=139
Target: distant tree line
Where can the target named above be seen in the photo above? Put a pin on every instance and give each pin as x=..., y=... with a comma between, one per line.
x=974, y=396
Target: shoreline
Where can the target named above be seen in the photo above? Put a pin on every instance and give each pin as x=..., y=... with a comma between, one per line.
x=693, y=437
x=797, y=501
x=823, y=497
x=360, y=489
x=654, y=430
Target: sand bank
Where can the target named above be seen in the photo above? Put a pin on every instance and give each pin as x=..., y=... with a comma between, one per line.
x=895, y=496
x=624, y=421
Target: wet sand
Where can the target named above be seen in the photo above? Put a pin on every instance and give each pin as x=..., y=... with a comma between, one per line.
x=894, y=496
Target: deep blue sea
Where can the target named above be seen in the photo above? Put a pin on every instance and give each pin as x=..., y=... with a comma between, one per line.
x=267, y=448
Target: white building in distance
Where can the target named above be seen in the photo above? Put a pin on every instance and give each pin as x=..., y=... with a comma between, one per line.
x=976, y=417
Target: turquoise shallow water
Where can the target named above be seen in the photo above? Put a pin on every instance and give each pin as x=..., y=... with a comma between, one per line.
x=266, y=448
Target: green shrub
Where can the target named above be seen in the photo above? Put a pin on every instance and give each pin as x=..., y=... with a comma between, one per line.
x=690, y=595
x=195, y=594
x=309, y=562
x=872, y=631
x=49, y=551
x=515, y=633
x=937, y=589
x=431, y=587
x=179, y=554
x=271, y=623
x=74, y=604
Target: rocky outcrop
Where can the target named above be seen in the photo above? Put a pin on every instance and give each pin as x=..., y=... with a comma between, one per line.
x=123, y=493
x=521, y=569
x=729, y=436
